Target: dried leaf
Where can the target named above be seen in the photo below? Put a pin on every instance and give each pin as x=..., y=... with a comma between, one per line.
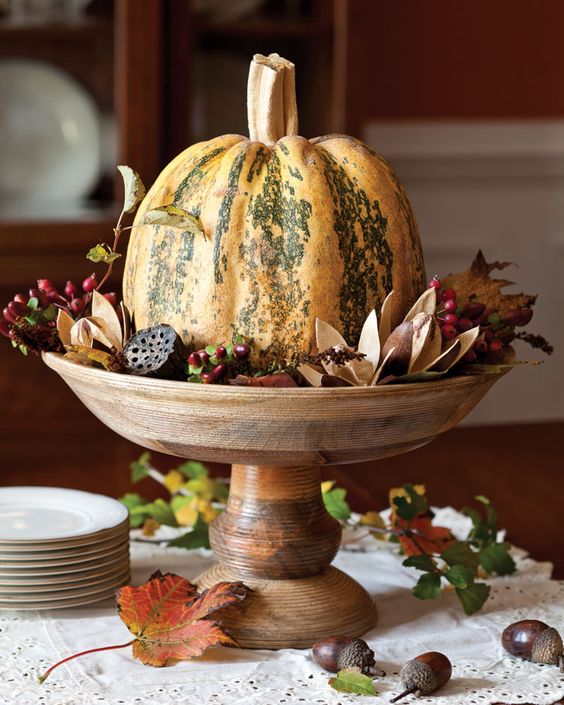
x=102, y=253
x=369, y=342
x=348, y=371
x=477, y=284
x=385, y=327
x=108, y=320
x=64, y=327
x=170, y=620
x=282, y=379
x=86, y=330
x=400, y=340
x=484, y=369
x=466, y=340
x=126, y=322
x=326, y=336
x=426, y=303
x=334, y=381
x=134, y=190
x=427, y=342
x=311, y=375
x=381, y=370
x=175, y=217
x=111, y=361
x=446, y=359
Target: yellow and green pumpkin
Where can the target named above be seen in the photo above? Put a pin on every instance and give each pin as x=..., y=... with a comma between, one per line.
x=293, y=230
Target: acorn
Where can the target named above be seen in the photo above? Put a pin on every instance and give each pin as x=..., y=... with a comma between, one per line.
x=424, y=674
x=336, y=653
x=535, y=641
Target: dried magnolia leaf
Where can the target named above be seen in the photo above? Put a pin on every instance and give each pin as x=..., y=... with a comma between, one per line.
x=363, y=370
x=311, y=375
x=477, y=284
x=64, y=327
x=401, y=340
x=175, y=217
x=333, y=381
x=345, y=371
x=427, y=342
x=385, y=327
x=126, y=322
x=111, y=361
x=446, y=359
x=382, y=368
x=426, y=303
x=423, y=376
x=369, y=342
x=86, y=330
x=326, y=336
x=108, y=319
x=466, y=340
x=79, y=359
x=133, y=188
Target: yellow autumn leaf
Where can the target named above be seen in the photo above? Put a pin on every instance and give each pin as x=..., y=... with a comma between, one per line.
x=205, y=508
x=150, y=527
x=372, y=519
x=173, y=481
x=400, y=492
x=327, y=486
x=186, y=515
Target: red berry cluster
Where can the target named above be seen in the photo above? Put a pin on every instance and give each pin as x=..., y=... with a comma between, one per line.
x=215, y=363
x=30, y=320
x=496, y=331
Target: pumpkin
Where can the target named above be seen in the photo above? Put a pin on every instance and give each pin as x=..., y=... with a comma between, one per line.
x=293, y=229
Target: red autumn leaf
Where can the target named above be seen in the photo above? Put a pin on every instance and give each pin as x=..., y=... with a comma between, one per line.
x=423, y=537
x=170, y=620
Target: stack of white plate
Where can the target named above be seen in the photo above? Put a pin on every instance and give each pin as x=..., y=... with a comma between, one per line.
x=60, y=548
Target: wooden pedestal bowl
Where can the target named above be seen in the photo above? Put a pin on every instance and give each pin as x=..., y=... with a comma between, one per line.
x=275, y=534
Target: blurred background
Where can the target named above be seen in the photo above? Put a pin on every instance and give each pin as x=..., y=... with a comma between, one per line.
x=466, y=100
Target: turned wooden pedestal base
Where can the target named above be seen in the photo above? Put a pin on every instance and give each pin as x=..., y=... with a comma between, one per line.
x=277, y=537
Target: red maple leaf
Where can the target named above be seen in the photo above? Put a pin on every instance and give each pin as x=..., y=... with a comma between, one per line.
x=422, y=537
x=170, y=620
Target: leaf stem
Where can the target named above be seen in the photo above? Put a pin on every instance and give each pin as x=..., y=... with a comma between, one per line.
x=43, y=677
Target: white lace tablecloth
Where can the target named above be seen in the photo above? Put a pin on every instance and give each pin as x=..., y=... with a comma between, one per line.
x=482, y=673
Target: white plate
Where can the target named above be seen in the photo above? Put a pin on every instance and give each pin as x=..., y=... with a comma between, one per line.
x=7, y=581
x=59, y=585
x=119, y=533
x=62, y=569
x=72, y=552
x=49, y=136
x=35, y=514
x=89, y=560
x=85, y=591
x=44, y=592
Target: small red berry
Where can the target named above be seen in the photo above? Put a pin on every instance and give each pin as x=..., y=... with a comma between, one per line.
x=435, y=283
x=21, y=299
x=204, y=356
x=54, y=297
x=496, y=346
x=5, y=328
x=90, y=283
x=220, y=352
x=44, y=284
x=480, y=346
x=469, y=357
x=241, y=350
x=77, y=305
x=448, y=332
x=450, y=318
x=41, y=297
x=18, y=309
x=194, y=359
x=71, y=290
x=8, y=316
x=449, y=294
x=112, y=297
x=220, y=370
x=450, y=305
x=207, y=377
x=488, y=335
x=465, y=324
x=473, y=310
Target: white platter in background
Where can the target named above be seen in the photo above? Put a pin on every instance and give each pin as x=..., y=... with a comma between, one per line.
x=49, y=137
x=36, y=514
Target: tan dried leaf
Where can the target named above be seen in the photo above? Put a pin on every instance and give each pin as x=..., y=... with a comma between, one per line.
x=382, y=369
x=108, y=321
x=445, y=359
x=126, y=322
x=401, y=340
x=86, y=330
x=65, y=322
x=133, y=187
x=466, y=340
x=385, y=327
x=426, y=303
x=333, y=381
x=369, y=342
x=326, y=336
x=427, y=342
x=311, y=375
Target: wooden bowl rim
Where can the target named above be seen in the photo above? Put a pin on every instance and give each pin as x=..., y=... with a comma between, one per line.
x=59, y=364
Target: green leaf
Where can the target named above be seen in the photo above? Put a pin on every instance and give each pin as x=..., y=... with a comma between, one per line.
x=428, y=586
x=193, y=469
x=159, y=510
x=352, y=681
x=33, y=303
x=102, y=253
x=210, y=349
x=495, y=558
x=207, y=488
x=460, y=553
x=174, y=217
x=473, y=597
x=133, y=187
x=411, y=506
x=197, y=538
x=132, y=501
x=50, y=313
x=460, y=576
x=336, y=504
x=23, y=349
x=140, y=467
x=421, y=562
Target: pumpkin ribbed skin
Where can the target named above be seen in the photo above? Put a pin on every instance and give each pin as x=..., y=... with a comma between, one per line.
x=302, y=229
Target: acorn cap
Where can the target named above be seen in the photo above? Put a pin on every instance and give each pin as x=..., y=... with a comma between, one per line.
x=357, y=654
x=420, y=676
x=547, y=647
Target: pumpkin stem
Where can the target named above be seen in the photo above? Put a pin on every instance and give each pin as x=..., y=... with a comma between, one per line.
x=271, y=99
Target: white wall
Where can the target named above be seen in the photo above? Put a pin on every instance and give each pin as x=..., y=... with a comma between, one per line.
x=498, y=186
